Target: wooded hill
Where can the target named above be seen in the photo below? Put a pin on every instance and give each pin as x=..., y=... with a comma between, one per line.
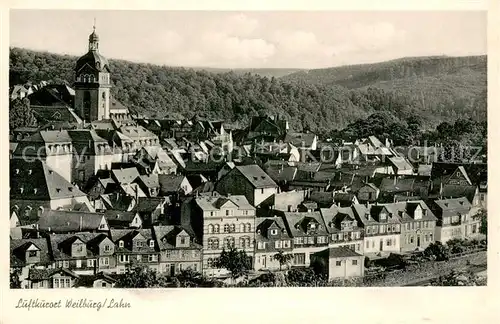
x=458, y=90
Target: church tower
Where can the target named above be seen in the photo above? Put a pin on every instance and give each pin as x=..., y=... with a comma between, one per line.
x=92, y=83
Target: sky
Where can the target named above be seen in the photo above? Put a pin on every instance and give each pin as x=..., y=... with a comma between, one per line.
x=266, y=39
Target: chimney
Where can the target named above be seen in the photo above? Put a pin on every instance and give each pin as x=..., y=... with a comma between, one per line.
x=37, y=231
x=81, y=223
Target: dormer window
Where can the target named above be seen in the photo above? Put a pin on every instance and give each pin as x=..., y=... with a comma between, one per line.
x=152, y=243
x=274, y=232
x=120, y=244
x=383, y=216
x=107, y=248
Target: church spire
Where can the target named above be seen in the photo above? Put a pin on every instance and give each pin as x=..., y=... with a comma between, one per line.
x=93, y=40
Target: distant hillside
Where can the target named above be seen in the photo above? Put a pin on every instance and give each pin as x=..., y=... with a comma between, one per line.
x=161, y=91
x=277, y=73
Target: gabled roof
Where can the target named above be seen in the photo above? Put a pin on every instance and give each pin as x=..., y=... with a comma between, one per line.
x=334, y=216
x=170, y=182
x=256, y=176
x=400, y=163
x=60, y=243
x=19, y=246
x=166, y=236
x=264, y=223
x=297, y=223
x=125, y=176
x=148, y=204
x=214, y=202
x=300, y=139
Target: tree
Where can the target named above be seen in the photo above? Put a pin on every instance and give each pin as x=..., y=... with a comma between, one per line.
x=283, y=258
x=483, y=227
x=20, y=114
x=15, y=282
x=140, y=276
x=235, y=261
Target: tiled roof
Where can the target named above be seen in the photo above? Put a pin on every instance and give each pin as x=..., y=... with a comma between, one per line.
x=44, y=274
x=453, y=206
x=214, y=202
x=166, y=236
x=38, y=182
x=61, y=244
x=297, y=222
x=60, y=221
x=334, y=215
x=263, y=224
x=150, y=181
x=148, y=204
x=170, y=182
x=125, y=176
x=119, y=216
x=342, y=252
x=256, y=176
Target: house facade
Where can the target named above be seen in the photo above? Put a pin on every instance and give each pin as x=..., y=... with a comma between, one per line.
x=343, y=228
x=226, y=222
x=271, y=238
x=382, y=229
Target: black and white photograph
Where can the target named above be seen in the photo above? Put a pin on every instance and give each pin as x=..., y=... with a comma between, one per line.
x=233, y=149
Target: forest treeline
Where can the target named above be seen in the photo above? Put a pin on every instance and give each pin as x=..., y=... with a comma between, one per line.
x=160, y=91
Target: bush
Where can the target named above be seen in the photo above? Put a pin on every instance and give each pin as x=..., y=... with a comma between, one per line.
x=437, y=251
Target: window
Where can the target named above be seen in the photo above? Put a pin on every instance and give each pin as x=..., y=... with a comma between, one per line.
x=103, y=261
x=183, y=239
x=338, y=263
x=120, y=244
x=358, y=246
x=211, y=213
x=103, y=285
x=299, y=258
x=210, y=228
x=262, y=190
x=354, y=262
x=227, y=212
x=430, y=237
x=286, y=244
x=249, y=227
x=216, y=228
x=213, y=243
x=334, y=237
x=226, y=228
x=152, y=257
x=274, y=232
x=152, y=243
x=277, y=244
x=107, y=248
x=229, y=242
x=65, y=264
x=78, y=263
x=388, y=242
x=90, y=263
x=411, y=239
x=56, y=282
x=79, y=248
x=124, y=258
x=367, y=244
x=232, y=228
x=139, y=257
x=321, y=240
x=210, y=262
x=242, y=242
x=310, y=240
x=32, y=254
x=67, y=283
x=168, y=253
